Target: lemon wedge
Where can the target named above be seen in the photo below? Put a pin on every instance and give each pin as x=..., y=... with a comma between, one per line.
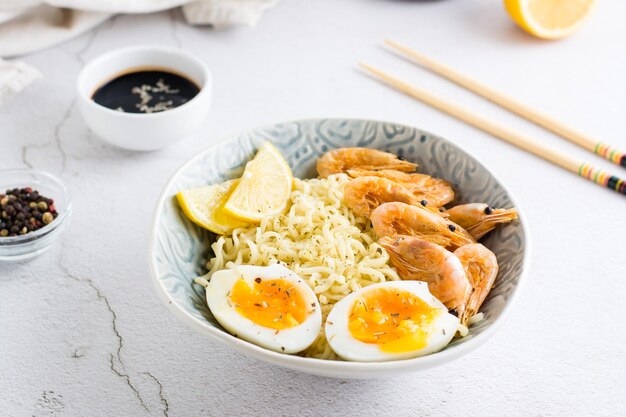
x=550, y=19
x=204, y=207
x=264, y=187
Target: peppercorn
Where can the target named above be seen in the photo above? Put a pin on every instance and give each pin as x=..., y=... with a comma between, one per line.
x=47, y=218
x=452, y=227
x=488, y=210
x=23, y=211
x=424, y=203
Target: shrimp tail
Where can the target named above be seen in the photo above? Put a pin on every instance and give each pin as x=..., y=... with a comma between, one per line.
x=481, y=268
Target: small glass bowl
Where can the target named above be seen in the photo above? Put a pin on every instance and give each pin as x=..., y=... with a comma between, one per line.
x=29, y=245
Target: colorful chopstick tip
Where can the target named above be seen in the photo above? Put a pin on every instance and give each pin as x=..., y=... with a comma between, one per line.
x=610, y=153
x=602, y=177
x=617, y=184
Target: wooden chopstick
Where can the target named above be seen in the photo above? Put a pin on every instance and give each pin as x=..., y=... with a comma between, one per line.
x=548, y=123
x=521, y=141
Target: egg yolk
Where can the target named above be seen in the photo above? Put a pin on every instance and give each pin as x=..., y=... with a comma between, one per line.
x=398, y=321
x=273, y=303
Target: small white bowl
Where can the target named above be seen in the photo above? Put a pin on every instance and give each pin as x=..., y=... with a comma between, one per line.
x=138, y=131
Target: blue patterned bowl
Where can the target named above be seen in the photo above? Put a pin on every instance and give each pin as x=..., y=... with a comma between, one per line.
x=179, y=249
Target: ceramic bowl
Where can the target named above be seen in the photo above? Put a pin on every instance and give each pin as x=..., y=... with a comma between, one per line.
x=179, y=249
x=25, y=247
x=139, y=131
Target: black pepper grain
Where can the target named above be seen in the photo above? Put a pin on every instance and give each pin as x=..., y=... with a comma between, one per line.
x=452, y=227
x=488, y=210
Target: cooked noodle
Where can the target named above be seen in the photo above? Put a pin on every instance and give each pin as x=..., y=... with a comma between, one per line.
x=320, y=239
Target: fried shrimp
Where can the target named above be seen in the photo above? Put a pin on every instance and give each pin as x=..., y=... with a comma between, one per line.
x=343, y=159
x=436, y=192
x=479, y=219
x=393, y=219
x=364, y=194
x=417, y=259
x=481, y=269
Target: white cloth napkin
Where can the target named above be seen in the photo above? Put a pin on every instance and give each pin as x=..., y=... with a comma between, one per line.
x=43, y=26
x=221, y=13
x=30, y=25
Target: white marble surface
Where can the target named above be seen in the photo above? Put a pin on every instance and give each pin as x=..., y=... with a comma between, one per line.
x=83, y=333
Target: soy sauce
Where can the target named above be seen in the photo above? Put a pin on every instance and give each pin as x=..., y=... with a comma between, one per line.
x=146, y=91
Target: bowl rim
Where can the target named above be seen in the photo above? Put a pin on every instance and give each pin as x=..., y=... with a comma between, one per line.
x=323, y=366
x=204, y=89
x=52, y=226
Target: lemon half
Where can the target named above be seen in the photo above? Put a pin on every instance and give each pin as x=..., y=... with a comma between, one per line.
x=204, y=206
x=264, y=187
x=550, y=19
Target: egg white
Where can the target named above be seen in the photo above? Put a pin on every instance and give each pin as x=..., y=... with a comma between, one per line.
x=342, y=342
x=290, y=340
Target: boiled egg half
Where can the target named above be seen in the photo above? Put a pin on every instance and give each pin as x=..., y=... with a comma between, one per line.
x=389, y=321
x=270, y=306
